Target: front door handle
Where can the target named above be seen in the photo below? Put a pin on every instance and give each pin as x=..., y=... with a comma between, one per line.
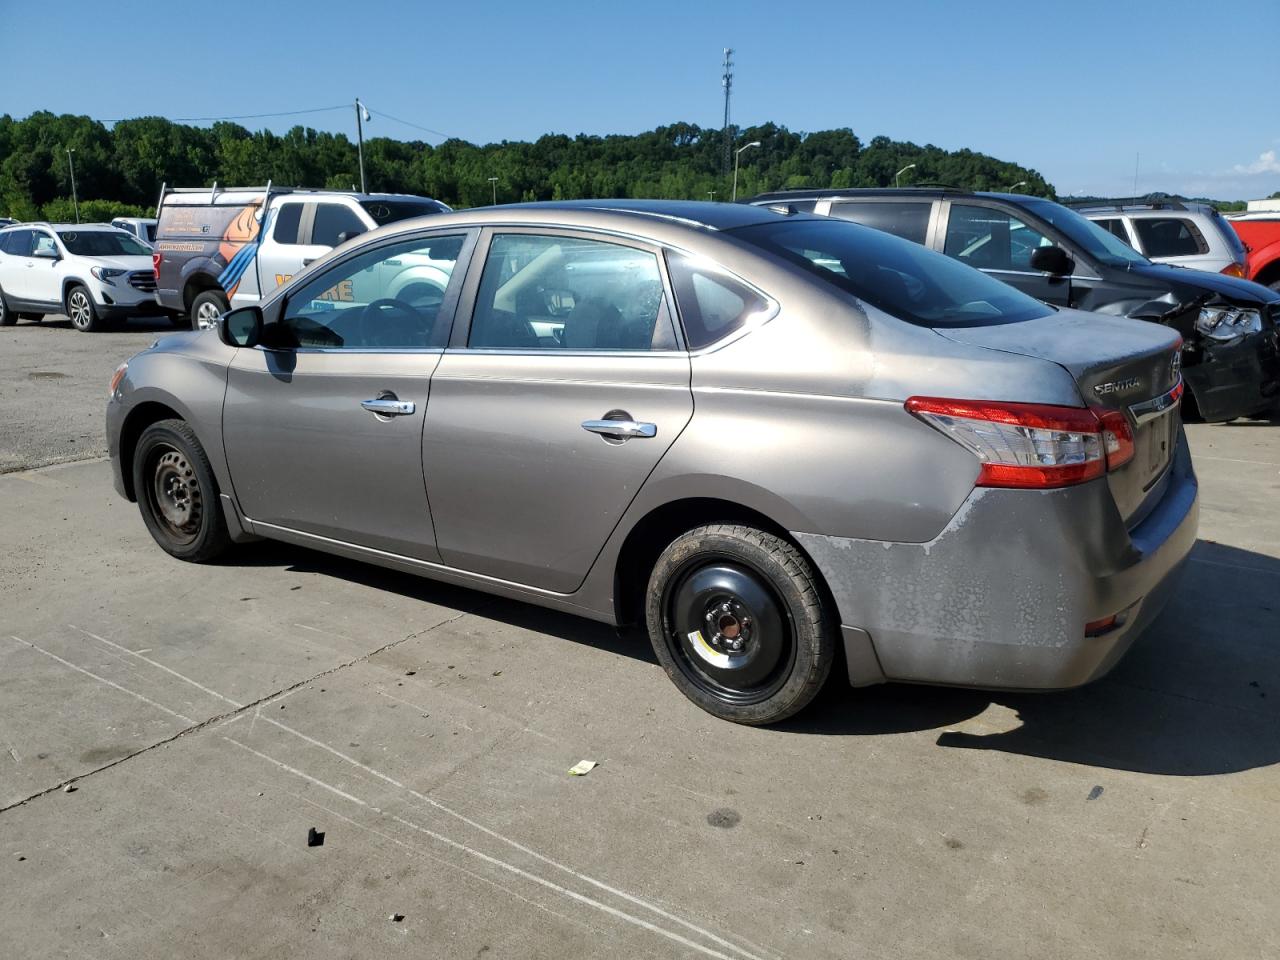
x=620, y=429
x=389, y=408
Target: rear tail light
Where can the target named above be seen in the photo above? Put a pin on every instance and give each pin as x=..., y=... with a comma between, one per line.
x=155, y=263
x=1233, y=270
x=1031, y=445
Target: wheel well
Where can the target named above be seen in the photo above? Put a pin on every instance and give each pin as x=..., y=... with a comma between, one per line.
x=655, y=531
x=141, y=417
x=1268, y=274
x=197, y=284
x=68, y=283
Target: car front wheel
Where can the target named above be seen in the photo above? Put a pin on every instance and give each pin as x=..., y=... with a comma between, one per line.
x=81, y=311
x=737, y=618
x=177, y=493
x=7, y=317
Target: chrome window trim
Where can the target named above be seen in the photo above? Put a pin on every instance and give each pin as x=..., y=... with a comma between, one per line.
x=348, y=351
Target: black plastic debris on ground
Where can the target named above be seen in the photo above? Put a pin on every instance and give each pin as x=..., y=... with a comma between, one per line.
x=1095, y=793
x=315, y=838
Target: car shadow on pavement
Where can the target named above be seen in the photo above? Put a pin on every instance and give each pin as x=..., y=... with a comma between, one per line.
x=131, y=325
x=1198, y=695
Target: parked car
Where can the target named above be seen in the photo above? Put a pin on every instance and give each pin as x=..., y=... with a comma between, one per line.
x=7, y=221
x=93, y=273
x=1260, y=233
x=211, y=252
x=1170, y=230
x=762, y=435
x=144, y=228
x=1230, y=327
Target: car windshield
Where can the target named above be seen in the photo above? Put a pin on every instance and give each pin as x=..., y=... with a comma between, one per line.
x=389, y=211
x=1084, y=233
x=897, y=276
x=102, y=243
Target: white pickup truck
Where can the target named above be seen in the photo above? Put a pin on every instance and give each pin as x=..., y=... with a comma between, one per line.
x=221, y=247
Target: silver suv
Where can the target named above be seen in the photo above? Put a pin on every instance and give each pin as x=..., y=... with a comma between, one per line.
x=764, y=436
x=1168, y=230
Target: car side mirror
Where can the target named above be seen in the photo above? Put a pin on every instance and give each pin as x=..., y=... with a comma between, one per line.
x=47, y=253
x=241, y=328
x=1052, y=260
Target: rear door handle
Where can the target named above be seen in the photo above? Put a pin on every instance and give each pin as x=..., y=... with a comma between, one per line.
x=621, y=429
x=389, y=408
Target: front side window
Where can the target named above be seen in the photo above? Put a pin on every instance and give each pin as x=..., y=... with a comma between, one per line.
x=909, y=220
x=569, y=293
x=45, y=244
x=335, y=223
x=1171, y=237
x=100, y=243
x=386, y=298
x=991, y=239
x=904, y=279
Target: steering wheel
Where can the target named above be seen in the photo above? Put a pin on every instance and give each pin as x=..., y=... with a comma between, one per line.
x=379, y=329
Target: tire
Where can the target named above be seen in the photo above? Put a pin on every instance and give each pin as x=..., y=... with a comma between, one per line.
x=179, y=320
x=7, y=317
x=206, y=308
x=80, y=309
x=177, y=493
x=775, y=610
x=1275, y=285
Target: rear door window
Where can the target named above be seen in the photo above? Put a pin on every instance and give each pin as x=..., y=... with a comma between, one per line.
x=991, y=239
x=712, y=304
x=332, y=221
x=17, y=243
x=1169, y=237
x=1115, y=227
x=287, y=222
x=909, y=220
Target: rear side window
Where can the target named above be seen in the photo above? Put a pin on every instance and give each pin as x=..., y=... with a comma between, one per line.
x=1115, y=227
x=287, y=220
x=332, y=220
x=712, y=304
x=1171, y=237
x=910, y=221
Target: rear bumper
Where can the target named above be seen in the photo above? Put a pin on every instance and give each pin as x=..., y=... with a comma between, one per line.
x=1001, y=597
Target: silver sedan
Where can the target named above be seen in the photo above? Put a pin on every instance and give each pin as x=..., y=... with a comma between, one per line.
x=769, y=437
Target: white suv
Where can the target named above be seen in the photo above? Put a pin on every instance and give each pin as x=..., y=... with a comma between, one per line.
x=91, y=272
x=1182, y=233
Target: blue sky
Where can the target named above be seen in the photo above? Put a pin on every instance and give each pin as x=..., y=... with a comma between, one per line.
x=1190, y=88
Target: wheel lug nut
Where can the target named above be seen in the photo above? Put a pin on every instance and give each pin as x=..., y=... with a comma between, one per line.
x=737, y=644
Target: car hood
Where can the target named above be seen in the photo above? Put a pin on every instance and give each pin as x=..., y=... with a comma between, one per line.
x=122, y=263
x=1191, y=284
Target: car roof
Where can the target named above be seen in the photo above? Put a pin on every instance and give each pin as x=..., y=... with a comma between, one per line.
x=853, y=193
x=694, y=213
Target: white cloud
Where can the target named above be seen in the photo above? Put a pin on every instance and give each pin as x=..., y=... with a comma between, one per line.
x=1266, y=163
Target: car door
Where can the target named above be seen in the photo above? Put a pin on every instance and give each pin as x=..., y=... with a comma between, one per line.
x=1000, y=243
x=322, y=422
x=47, y=269
x=285, y=250
x=553, y=404
x=16, y=263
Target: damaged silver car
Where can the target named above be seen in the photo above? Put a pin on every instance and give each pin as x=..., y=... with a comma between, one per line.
x=770, y=438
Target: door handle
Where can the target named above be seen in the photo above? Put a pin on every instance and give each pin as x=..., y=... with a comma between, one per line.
x=389, y=408
x=620, y=429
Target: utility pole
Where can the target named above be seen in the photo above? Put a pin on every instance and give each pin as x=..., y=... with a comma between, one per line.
x=726, y=81
x=493, y=183
x=362, y=114
x=72, y=167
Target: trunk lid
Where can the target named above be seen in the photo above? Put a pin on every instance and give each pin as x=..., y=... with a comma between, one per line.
x=1118, y=364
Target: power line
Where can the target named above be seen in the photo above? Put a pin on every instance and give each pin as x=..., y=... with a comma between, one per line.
x=259, y=116
x=415, y=126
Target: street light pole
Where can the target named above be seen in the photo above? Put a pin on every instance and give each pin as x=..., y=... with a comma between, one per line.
x=711, y=194
x=362, y=114
x=736, y=154
x=75, y=201
x=901, y=172
x=1020, y=183
x=493, y=184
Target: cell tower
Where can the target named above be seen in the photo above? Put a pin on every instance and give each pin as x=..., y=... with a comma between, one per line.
x=726, y=81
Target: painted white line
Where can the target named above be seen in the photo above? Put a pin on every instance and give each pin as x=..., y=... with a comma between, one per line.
x=109, y=683
x=298, y=773
x=1260, y=463
x=158, y=666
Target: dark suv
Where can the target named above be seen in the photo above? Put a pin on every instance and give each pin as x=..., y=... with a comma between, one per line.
x=1230, y=327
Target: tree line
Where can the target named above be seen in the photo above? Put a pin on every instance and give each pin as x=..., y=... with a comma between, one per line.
x=119, y=170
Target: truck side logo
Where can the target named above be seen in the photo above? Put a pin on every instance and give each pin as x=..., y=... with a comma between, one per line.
x=1117, y=386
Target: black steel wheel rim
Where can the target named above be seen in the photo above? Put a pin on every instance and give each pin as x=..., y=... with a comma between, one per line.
x=174, y=495
x=727, y=629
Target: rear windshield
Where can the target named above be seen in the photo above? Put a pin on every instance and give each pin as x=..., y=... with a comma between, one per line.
x=103, y=243
x=389, y=211
x=897, y=276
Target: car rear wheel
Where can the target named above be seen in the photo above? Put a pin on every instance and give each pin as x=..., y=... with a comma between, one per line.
x=737, y=618
x=81, y=311
x=7, y=317
x=177, y=493
x=206, y=308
